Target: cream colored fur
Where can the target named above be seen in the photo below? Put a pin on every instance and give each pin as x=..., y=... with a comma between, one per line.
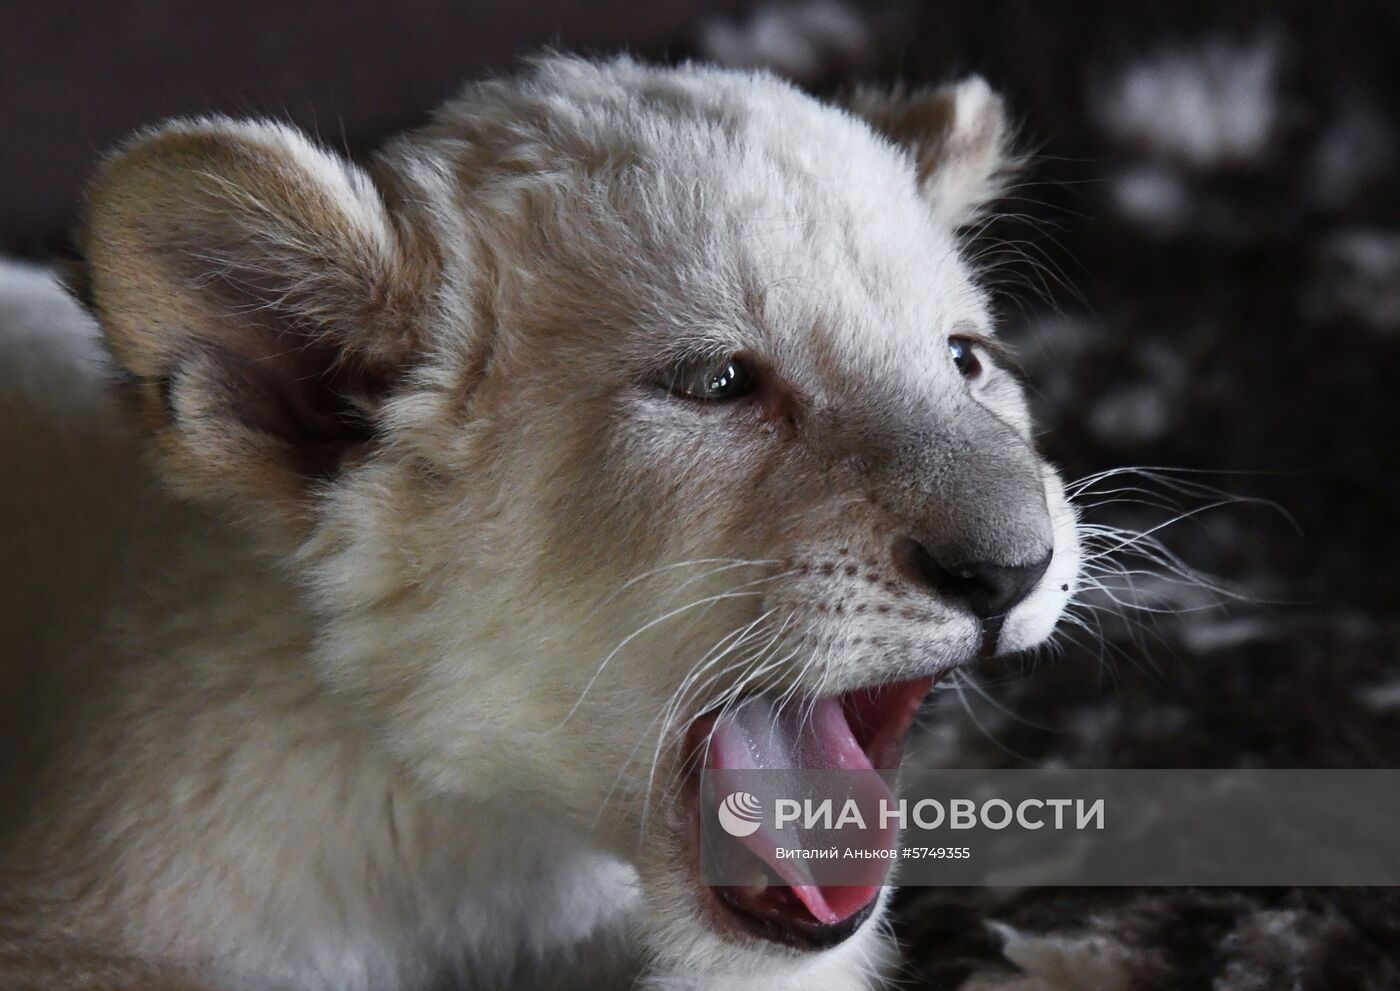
x=408, y=718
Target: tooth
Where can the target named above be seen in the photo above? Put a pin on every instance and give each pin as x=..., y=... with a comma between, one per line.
x=756, y=887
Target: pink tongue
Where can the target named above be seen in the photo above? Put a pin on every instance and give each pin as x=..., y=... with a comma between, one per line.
x=761, y=734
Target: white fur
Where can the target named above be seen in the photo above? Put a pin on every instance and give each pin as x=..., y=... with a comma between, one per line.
x=433, y=738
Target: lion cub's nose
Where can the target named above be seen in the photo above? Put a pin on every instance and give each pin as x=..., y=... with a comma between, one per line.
x=986, y=588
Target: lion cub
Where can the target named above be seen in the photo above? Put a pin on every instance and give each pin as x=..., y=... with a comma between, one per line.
x=597, y=417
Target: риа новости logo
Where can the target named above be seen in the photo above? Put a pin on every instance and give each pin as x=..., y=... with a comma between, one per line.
x=740, y=814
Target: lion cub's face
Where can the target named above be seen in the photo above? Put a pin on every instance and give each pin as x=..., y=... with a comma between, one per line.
x=615, y=402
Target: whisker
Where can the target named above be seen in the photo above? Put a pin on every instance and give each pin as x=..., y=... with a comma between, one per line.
x=651, y=624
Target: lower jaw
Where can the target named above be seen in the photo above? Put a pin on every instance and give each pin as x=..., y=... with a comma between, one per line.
x=781, y=924
x=773, y=918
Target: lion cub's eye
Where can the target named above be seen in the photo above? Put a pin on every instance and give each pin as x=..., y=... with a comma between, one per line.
x=710, y=379
x=965, y=357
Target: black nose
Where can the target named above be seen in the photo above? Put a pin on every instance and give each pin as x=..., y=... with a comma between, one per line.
x=986, y=588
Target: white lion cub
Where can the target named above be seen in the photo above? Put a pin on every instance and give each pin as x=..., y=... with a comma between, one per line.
x=561, y=441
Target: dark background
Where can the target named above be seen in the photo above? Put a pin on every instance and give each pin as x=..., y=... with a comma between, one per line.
x=1184, y=295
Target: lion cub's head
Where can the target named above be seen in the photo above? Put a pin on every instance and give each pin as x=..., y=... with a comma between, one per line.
x=617, y=409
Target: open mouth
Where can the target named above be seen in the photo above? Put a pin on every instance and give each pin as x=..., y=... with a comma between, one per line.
x=859, y=731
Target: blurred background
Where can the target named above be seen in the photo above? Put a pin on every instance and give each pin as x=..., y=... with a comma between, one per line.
x=1200, y=265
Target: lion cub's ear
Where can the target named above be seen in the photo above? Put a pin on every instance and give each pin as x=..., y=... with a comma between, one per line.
x=957, y=135
x=262, y=296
